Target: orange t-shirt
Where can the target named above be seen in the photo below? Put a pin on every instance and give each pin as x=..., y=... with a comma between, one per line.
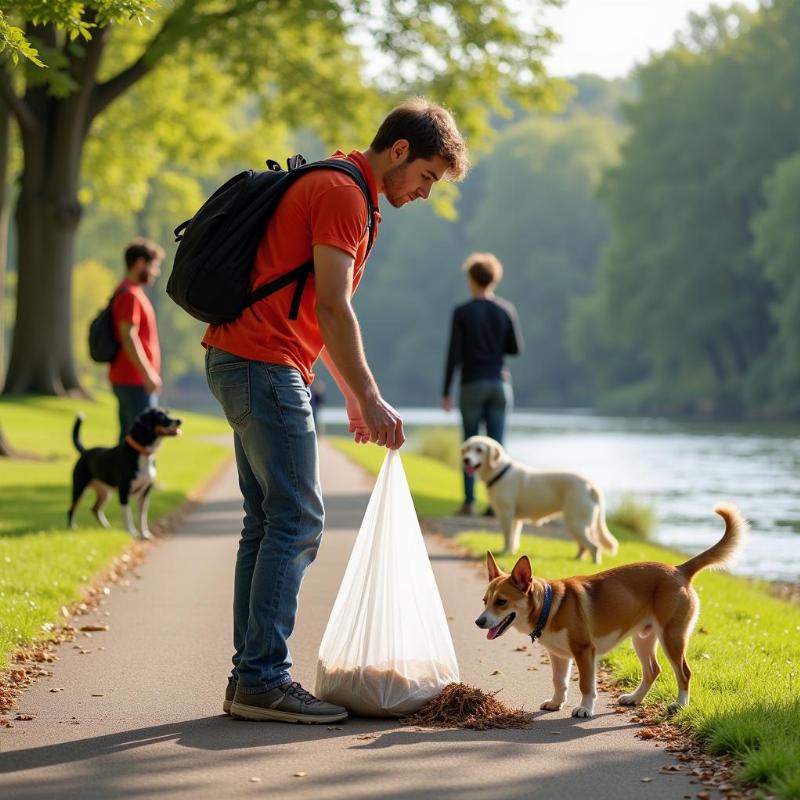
x=322, y=207
x=134, y=306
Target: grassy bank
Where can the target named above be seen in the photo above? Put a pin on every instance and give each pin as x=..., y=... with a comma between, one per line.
x=43, y=565
x=745, y=653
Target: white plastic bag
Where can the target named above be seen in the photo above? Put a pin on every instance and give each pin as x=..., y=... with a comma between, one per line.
x=387, y=649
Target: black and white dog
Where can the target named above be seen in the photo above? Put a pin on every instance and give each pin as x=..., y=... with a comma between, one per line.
x=130, y=467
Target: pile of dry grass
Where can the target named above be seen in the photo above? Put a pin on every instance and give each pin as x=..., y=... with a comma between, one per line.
x=463, y=706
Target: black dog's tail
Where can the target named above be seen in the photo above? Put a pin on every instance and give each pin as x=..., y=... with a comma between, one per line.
x=76, y=433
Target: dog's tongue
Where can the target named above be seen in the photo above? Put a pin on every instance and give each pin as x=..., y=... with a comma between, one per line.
x=492, y=632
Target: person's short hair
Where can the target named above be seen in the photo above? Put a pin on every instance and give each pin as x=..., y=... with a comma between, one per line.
x=484, y=268
x=142, y=248
x=430, y=131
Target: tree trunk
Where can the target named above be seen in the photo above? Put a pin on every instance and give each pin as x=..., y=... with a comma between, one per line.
x=5, y=132
x=47, y=218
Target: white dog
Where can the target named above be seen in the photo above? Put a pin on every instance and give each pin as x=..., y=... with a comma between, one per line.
x=518, y=493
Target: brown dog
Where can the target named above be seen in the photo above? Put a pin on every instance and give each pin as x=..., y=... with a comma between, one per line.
x=583, y=617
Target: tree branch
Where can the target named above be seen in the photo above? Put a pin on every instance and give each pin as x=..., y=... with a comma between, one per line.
x=26, y=119
x=183, y=23
x=105, y=93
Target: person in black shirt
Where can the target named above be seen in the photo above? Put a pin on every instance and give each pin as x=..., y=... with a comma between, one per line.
x=484, y=330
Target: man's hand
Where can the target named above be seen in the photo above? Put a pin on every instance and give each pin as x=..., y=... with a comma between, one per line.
x=447, y=403
x=383, y=423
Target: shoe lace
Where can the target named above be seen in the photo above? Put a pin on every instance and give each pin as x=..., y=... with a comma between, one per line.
x=296, y=690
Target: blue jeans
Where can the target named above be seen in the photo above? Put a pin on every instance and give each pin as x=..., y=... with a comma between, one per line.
x=269, y=408
x=483, y=401
x=132, y=401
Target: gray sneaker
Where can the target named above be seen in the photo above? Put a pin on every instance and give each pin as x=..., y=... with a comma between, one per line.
x=230, y=691
x=287, y=703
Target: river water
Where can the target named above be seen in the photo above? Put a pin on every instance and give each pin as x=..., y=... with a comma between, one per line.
x=681, y=469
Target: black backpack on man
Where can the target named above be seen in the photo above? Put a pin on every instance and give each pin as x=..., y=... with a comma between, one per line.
x=103, y=342
x=217, y=248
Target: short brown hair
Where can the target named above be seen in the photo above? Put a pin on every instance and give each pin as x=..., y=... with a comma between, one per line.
x=142, y=248
x=484, y=268
x=430, y=131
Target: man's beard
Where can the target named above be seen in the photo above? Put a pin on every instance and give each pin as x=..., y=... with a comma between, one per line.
x=393, y=181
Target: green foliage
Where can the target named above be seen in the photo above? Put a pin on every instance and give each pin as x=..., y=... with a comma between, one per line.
x=681, y=320
x=777, y=246
x=634, y=516
x=14, y=44
x=440, y=444
x=45, y=565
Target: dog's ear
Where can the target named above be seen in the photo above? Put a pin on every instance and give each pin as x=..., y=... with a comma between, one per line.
x=491, y=566
x=495, y=452
x=522, y=574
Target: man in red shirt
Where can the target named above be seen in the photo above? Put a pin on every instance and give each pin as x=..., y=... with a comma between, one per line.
x=259, y=368
x=135, y=371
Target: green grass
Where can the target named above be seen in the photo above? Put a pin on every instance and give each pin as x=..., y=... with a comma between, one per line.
x=745, y=652
x=438, y=489
x=43, y=565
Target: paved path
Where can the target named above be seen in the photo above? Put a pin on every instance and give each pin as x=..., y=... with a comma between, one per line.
x=158, y=731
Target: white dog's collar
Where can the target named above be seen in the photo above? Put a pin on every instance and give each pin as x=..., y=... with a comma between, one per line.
x=499, y=475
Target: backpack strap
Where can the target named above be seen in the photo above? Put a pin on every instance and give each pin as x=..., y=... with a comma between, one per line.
x=300, y=274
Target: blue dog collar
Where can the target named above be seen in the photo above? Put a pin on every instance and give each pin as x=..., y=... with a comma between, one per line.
x=545, y=612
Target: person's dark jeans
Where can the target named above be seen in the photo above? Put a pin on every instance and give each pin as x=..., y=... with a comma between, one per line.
x=487, y=402
x=269, y=408
x=132, y=401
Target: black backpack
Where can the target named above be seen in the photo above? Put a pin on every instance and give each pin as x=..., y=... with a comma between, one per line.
x=211, y=274
x=103, y=342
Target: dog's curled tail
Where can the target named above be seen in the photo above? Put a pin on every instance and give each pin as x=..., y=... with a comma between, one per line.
x=603, y=535
x=76, y=433
x=736, y=526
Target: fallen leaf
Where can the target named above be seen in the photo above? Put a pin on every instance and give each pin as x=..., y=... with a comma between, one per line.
x=57, y=690
x=95, y=626
x=255, y=780
x=521, y=648
x=496, y=672
x=98, y=695
x=24, y=717
x=647, y=780
x=300, y=774
x=367, y=736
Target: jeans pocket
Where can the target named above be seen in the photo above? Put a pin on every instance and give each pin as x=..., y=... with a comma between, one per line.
x=230, y=384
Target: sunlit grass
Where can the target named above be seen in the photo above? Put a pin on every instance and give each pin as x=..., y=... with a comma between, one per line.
x=42, y=564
